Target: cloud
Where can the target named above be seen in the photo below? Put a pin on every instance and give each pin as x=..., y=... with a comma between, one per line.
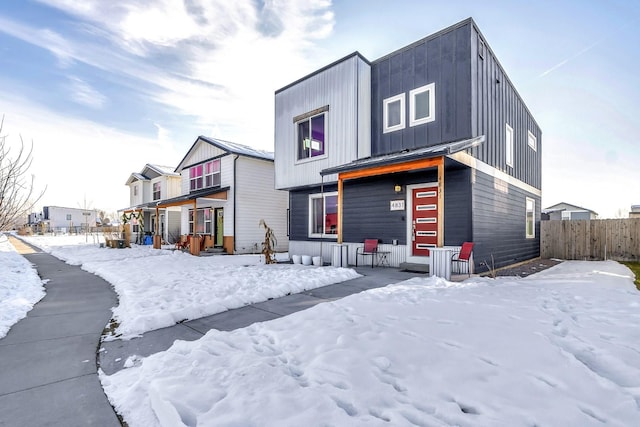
x=216, y=61
x=82, y=93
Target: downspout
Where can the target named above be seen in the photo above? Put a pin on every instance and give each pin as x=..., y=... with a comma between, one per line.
x=234, y=202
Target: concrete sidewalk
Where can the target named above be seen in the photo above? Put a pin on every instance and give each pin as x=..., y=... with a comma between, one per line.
x=49, y=360
x=48, y=372
x=114, y=353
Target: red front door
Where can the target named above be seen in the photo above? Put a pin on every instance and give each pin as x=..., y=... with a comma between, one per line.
x=425, y=219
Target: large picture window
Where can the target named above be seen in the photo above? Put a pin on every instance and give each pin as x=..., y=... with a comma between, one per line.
x=422, y=105
x=393, y=113
x=531, y=218
x=323, y=215
x=311, y=137
x=203, y=221
x=204, y=175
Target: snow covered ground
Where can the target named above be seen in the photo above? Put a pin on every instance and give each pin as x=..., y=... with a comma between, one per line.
x=20, y=286
x=560, y=348
x=159, y=288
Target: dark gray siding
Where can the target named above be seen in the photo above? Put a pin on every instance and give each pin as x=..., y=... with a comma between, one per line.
x=496, y=103
x=367, y=214
x=299, y=212
x=444, y=59
x=499, y=220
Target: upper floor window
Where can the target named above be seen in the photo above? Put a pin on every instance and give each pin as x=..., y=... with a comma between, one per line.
x=212, y=173
x=204, y=175
x=393, y=113
x=532, y=140
x=156, y=190
x=311, y=136
x=323, y=215
x=135, y=190
x=530, y=219
x=422, y=103
x=508, y=145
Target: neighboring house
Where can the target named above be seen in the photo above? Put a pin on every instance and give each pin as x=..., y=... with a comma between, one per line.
x=58, y=219
x=153, y=184
x=635, y=211
x=567, y=211
x=225, y=190
x=428, y=146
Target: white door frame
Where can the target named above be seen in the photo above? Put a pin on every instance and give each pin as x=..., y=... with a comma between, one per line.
x=409, y=216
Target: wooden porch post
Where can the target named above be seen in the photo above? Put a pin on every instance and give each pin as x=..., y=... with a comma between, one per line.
x=157, y=239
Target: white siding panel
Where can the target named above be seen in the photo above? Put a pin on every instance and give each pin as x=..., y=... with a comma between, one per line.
x=257, y=199
x=345, y=88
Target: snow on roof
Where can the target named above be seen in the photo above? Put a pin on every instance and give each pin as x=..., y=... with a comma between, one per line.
x=165, y=170
x=236, y=148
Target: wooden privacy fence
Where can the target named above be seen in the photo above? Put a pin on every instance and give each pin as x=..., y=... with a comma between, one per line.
x=616, y=239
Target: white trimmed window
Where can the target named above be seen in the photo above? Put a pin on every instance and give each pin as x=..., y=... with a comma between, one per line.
x=508, y=145
x=204, y=175
x=312, y=136
x=532, y=140
x=323, y=215
x=422, y=105
x=157, y=186
x=531, y=219
x=393, y=113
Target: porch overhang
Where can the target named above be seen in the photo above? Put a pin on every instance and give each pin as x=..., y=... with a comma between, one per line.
x=425, y=158
x=406, y=156
x=210, y=194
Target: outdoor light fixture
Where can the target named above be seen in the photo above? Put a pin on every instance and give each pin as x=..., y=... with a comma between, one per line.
x=397, y=188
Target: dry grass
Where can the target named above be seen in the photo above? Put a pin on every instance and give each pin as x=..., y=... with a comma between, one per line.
x=634, y=266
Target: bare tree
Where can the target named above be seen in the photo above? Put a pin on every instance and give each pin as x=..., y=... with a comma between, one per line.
x=17, y=193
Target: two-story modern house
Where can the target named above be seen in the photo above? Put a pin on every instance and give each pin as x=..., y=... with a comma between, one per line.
x=225, y=190
x=146, y=188
x=428, y=146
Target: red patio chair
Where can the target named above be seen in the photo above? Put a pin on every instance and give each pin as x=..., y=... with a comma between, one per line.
x=464, y=256
x=370, y=248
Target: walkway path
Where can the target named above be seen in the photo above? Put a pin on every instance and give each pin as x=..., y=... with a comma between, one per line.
x=48, y=374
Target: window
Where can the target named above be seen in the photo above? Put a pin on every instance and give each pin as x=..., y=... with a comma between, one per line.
x=323, y=215
x=422, y=103
x=531, y=218
x=212, y=173
x=195, y=178
x=156, y=190
x=532, y=140
x=203, y=221
x=509, y=145
x=204, y=175
x=311, y=137
x=135, y=190
x=393, y=113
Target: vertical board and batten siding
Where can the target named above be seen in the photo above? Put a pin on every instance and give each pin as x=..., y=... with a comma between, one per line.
x=499, y=222
x=495, y=104
x=257, y=199
x=345, y=88
x=443, y=59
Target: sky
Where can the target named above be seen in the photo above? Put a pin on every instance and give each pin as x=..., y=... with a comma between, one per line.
x=103, y=88
x=560, y=347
